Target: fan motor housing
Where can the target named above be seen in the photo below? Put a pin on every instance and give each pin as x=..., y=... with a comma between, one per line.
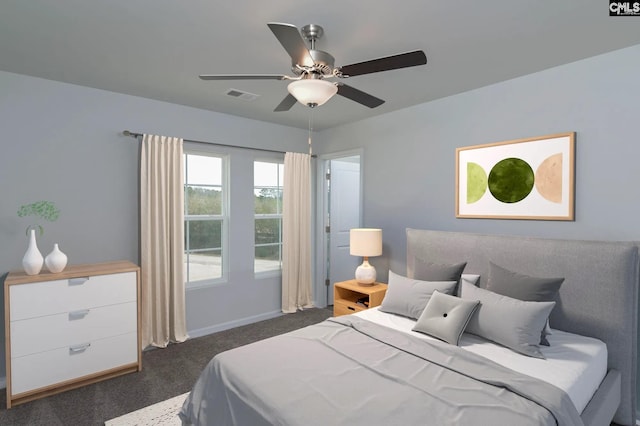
x=322, y=64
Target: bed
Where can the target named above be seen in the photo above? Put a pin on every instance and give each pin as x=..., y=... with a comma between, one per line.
x=373, y=368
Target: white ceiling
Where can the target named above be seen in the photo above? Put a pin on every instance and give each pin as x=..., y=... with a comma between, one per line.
x=156, y=49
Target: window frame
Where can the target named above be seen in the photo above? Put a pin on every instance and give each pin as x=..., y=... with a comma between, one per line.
x=277, y=271
x=223, y=217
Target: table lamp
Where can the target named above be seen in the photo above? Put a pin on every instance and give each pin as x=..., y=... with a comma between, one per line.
x=365, y=242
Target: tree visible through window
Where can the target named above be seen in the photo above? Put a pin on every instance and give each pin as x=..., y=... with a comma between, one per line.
x=268, y=179
x=204, y=218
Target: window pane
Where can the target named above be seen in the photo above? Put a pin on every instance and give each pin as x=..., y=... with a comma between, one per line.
x=203, y=170
x=267, y=231
x=268, y=180
x=265, y=174
x=268, y=200
x=203, y=234
x=203, y=196
x=267, y=258
x=204, y=265
x=203, y=200
x=268, y=252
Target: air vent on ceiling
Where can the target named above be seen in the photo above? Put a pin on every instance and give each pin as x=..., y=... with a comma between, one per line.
x=242, y=95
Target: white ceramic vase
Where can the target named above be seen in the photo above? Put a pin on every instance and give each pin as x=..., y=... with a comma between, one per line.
x=56, y=260
x=32, y=260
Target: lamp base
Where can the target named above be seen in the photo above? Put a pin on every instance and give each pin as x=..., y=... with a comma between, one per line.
x=366, y=274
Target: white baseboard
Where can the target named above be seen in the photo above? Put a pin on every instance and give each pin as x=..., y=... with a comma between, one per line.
x=232, y=324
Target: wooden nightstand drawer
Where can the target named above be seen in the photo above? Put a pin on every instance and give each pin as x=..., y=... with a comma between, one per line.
x=340, y=308
x=349, y=297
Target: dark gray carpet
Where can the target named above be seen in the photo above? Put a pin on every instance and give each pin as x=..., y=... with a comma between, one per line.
x=165, y=373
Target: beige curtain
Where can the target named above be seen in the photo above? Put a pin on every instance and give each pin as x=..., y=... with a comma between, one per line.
x=296, y=233
x=162, y=241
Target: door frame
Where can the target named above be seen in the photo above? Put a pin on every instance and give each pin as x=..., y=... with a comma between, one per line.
x=321, y=256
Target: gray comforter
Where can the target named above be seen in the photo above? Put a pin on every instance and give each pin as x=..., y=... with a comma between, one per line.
x=349, y=371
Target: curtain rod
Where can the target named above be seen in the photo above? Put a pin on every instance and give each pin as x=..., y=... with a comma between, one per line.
x=135, y=135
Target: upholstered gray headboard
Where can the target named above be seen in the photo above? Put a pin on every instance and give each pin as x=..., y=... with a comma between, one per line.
x=598, y=298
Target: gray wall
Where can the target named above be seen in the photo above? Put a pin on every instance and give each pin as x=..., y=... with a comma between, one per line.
x=409, y=155
x=63, y=143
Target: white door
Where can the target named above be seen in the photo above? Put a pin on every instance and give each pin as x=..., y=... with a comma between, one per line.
x=344, y=214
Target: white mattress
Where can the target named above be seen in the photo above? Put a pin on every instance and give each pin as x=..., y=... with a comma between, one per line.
x=575, y=364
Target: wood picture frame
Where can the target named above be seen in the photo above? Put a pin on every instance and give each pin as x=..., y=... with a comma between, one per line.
x=532, y=178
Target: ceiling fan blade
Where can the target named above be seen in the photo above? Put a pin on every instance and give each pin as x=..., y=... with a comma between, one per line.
x=290, y=38
x=286, y=103
x=242, y=77
x=402, y=60
x=359, y=96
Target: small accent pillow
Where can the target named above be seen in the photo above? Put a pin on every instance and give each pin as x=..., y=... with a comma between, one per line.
x=446, y=317
x=510, y=322
x=523, y=287
x=408, y=297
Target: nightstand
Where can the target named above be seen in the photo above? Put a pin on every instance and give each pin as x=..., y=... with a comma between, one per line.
x=347, y=294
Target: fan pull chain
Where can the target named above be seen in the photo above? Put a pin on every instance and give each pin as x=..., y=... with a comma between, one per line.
x=310, y=129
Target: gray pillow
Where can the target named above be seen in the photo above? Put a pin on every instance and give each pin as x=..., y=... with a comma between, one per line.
x=523, y=287
x=510, y=322
x=470, y=278
x=408, y=297
x=427, y=271
x=520, y=286
x=446, y=317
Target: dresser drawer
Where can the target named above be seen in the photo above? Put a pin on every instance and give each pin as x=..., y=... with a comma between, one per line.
x=42, y=334
x=61, y=296
x=47, y=368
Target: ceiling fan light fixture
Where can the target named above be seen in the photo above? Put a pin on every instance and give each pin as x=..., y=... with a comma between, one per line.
x=312, y=92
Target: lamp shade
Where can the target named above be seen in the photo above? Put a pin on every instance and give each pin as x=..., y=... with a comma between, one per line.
x=312, y=92
x=365, y=242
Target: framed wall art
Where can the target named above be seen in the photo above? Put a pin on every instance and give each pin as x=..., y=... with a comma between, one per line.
x=520, y=179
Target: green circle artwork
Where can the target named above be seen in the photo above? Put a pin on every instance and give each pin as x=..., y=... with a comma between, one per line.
x=476, y=182
x=511, y=180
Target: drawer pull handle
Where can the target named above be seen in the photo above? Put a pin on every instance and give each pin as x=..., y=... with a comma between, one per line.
x=78, y=348
x=351, y=308
x=76, y=315
x=78, y=281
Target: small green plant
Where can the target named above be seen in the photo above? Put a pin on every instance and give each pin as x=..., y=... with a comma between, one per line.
x=46, y=210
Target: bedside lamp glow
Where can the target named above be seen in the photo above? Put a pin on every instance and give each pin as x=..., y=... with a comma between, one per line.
x=365, y=242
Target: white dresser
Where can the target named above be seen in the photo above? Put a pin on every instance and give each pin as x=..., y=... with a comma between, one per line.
x=70, y=329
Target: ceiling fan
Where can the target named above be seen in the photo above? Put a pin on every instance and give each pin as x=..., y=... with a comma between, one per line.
x=312, y=68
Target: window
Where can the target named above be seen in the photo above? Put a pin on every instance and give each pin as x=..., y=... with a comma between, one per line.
x=267, y=189
x=204, y=218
